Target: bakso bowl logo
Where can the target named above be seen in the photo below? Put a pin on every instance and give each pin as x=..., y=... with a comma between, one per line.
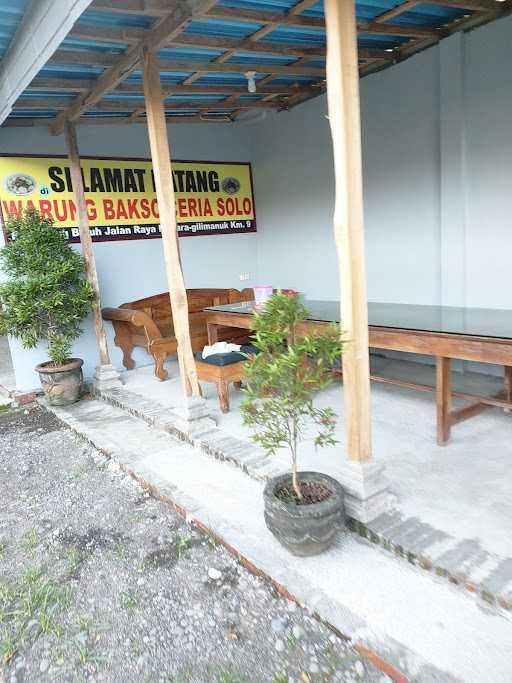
x=230, y=185
x=20, y=184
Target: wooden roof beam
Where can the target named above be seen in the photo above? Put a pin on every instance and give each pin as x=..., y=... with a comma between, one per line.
x=181, y=13
x=133, y=34
x=83, y=85
x=129, y=105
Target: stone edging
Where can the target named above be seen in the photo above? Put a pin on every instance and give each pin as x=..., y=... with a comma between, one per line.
x=255, y=463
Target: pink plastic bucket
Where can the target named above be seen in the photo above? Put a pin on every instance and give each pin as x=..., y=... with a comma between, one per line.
x=262, y=293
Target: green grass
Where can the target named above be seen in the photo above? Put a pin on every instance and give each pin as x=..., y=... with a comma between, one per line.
x=29, y=607
x=30, y=540
x=281, y=678
x=131, y=600
x=183, y=544
x=227, y=677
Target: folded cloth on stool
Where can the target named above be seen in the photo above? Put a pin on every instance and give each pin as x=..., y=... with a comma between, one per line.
x=229, y=357
x=219, y=347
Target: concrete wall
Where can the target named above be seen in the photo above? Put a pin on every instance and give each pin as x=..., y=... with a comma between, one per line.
x=437, y=147
x=134, y=269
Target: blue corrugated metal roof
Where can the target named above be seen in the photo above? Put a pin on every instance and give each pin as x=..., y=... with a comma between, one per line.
x=90, y=50
x=11, y=13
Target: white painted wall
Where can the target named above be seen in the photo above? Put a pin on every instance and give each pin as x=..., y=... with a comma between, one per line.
x=437, y=153
x=133, y=269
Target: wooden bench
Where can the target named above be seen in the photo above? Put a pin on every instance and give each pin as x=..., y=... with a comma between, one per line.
x=147, y=323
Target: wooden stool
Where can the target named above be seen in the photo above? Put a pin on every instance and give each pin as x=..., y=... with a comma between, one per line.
x=223, y=369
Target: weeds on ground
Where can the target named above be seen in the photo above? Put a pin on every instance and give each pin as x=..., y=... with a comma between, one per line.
x=281, y=678
x=183, y=543
x=30, y=540
x=227, y=677
x=29, y=607
x=131, y=599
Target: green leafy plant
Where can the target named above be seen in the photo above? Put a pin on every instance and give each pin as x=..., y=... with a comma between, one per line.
x=47, y=295
x=282, y=379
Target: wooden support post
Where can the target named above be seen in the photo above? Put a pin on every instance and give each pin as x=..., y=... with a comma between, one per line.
x=166, y=205
x=344, y=118
x=85, y=239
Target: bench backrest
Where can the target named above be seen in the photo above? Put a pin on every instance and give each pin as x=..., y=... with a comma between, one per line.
x=158, y=307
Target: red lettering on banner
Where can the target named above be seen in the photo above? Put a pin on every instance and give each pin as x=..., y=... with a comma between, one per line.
x=108, y=209
x=12, y=208
x=92, y=213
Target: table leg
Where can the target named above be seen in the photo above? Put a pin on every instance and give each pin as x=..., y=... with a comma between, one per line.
x=223, y=391
x=213, y=333
x=443, y=399
x=508, y=386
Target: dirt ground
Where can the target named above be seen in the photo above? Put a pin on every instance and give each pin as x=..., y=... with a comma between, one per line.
x=101, y=582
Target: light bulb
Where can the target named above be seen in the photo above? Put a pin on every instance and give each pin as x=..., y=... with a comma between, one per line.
x=251, y=83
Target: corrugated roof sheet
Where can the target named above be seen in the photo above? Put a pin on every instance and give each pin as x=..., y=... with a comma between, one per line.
x=101, y=34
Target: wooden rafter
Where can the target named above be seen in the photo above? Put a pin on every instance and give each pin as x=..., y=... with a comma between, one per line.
x=180, y=14
x=126, y=105
x=132, y=35
x=62, y=85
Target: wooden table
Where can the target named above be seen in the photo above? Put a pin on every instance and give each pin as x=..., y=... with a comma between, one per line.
x=444, y=332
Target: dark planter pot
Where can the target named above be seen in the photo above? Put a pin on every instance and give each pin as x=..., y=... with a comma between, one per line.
x=62, y=384
x=304, y=530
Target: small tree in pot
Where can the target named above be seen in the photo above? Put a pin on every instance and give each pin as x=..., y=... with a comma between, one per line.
x=45, y=299
x=304, y=509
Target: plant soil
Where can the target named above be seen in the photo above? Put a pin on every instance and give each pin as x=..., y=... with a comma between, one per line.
x=312, y=492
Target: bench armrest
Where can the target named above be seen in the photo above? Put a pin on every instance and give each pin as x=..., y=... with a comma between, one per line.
x=137, y=318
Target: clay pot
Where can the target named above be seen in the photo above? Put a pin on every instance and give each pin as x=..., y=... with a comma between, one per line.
x=62, y=384
x=304, y=530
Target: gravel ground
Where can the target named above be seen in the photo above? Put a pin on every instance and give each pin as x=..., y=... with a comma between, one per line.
x=101, y=582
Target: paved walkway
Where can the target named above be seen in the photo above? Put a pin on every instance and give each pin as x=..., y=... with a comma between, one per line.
x=425, y=627
x=100, y=581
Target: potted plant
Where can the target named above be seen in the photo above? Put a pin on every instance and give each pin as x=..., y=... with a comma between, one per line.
x=45, y=298
x=303, y=510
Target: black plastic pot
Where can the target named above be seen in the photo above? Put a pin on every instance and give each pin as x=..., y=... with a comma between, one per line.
x=62, y=384
x=304, y=530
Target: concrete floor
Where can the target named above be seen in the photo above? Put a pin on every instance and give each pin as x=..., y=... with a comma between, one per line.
x=462, y=490
x=7, y=379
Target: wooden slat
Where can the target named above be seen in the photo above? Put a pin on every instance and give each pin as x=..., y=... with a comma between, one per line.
x=129, y=105
x=79, y=85
x=162, y=169
x=396, y=11
x=345, y=124
x=214, y=67
x=113, y=34
x=179, y=17
x=156, y=8
x=86, y=240
x=375, y=28
x=38, y=122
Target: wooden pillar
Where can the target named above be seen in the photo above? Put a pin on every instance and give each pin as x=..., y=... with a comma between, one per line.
x=345, y=123
x=85, y=239
x=166, y=205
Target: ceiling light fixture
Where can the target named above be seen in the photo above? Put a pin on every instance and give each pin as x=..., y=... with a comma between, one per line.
x=251, y=83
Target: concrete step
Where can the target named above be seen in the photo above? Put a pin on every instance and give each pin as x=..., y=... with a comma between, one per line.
x=425, y=627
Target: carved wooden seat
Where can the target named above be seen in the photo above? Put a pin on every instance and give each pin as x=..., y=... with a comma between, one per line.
x=148, y=323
